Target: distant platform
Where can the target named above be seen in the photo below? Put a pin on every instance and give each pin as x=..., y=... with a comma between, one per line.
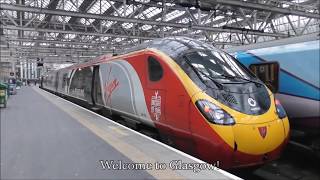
x=46, y=137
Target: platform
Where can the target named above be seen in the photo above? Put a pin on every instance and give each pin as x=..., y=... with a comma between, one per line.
x=46, y=137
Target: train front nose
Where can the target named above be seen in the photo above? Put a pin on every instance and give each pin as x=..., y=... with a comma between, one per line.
x=257, y=143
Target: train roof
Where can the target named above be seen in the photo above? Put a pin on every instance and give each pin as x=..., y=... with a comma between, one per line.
x=280, y=42
x=173, y=46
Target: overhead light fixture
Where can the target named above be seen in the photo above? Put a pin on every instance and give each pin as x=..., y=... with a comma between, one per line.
x=242, y=29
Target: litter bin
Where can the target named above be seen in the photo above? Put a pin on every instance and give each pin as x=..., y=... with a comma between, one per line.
x=8, y=89
x=3, y=94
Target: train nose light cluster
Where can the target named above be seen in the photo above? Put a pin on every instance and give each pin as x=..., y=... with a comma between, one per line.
x=280, y=110
x=214, y=114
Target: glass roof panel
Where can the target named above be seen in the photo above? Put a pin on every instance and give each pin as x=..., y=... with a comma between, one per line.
x=174, y=14
x=69, y=5
x=69, y=36
x=38, y=3
x=64, y=19
x=127, y=25
x=125, y=10
x=52, y=34
x=28, y=43
x=179, y=30
x=196, y=15
x=87, y=37
x=41, y=16
x=11, y=13
x=166, y=28
x=143, y=1
x=184, y=20
x=28, y=15
x=44, y=44
x=105, y=5
x=5, y=1
x=107, y=23
x=104, y=38
x=30, y=33
x=86, y=21
x=146, y=27
x=10, y=32
x=119, y=39
x=214, y=19
x=150, y=12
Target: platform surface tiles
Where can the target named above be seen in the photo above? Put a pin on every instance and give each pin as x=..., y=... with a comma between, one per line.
x=46, y=137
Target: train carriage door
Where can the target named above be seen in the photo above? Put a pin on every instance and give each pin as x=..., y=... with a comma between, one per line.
x=56, y=82
x=96, y=87
x=155, y=89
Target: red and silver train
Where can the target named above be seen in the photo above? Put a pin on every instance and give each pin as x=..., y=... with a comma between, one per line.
x=196, y=97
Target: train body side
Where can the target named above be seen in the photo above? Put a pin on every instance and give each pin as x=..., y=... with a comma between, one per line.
x=123, y=87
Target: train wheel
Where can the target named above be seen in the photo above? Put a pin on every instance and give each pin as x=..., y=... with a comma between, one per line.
x=149, y=133
x=165, y=139
x=316, y=147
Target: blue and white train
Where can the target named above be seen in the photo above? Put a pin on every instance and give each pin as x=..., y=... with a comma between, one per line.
x=299, y=86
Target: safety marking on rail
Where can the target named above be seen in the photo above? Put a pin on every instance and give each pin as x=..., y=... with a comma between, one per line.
x=140, y=157
x=127, y=150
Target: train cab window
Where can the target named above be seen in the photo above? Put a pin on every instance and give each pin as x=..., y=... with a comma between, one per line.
x=155, y=69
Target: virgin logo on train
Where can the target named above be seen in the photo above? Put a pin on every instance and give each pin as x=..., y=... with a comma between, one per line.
x=110, y=87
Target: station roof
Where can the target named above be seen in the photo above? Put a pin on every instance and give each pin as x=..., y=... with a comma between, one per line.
x=59, y=31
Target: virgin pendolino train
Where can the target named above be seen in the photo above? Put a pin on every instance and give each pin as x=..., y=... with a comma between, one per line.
x=196, y=97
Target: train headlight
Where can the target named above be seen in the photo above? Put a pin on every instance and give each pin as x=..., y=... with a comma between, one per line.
x=280, y=110
x=214, y=114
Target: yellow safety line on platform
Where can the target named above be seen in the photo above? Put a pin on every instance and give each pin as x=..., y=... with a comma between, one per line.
x=127, y=150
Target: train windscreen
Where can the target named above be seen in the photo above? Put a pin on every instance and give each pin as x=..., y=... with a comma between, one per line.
x=217, y=73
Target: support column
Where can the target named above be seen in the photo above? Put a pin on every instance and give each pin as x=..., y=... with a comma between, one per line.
x=13, y=68
x=25, y=70
x=28, y=69
x=32, y=71
x=21, y=70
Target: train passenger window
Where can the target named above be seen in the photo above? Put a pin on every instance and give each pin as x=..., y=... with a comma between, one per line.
x=64, y=80
x=81, y=84
x=155, y=69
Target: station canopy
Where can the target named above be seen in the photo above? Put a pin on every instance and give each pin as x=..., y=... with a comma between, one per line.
x=72, y=31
